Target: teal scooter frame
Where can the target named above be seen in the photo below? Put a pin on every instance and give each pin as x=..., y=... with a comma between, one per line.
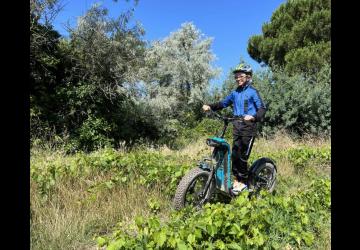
x=213, y=175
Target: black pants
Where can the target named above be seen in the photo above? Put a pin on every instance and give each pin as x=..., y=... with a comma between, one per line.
x=244, y=136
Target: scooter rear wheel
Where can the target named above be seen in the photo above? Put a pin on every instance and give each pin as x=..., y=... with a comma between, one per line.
x=263, y=177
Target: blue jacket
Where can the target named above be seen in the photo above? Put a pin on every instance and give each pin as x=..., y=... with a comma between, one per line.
x=246, y=101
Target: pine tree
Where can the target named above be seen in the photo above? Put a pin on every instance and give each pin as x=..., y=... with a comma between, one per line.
x=297, y=37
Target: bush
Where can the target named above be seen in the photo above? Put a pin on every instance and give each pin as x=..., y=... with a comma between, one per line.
x=299, y=104
x=270, y=222
x=93, y=134
x=207, y=127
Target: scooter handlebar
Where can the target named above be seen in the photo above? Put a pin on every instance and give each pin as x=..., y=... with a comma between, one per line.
x=241, y=118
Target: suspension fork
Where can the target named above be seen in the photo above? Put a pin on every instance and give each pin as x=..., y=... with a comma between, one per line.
x=203, y=193
x=208, y=182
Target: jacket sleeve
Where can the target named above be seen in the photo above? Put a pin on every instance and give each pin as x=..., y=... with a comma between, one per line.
x=222, y=104
x=260, y=107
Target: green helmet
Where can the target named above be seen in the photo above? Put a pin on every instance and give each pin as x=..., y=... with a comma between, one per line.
x=243, y=68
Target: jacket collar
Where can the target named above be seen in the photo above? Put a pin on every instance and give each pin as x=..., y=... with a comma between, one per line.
x=240, y=88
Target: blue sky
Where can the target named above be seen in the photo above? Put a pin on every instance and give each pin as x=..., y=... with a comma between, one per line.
x=229, y=22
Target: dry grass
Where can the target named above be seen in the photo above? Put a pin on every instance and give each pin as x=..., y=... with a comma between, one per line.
x=282, y=141
x=278, y=143
x=73, y=216
x=193, y=150
x=285, y=169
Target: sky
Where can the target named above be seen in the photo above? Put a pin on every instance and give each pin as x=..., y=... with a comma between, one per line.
x=229, y=22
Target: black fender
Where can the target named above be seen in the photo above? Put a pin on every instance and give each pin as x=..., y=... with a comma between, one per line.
x=260, y=162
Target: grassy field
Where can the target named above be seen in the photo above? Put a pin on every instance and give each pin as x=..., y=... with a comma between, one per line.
x=76, y=198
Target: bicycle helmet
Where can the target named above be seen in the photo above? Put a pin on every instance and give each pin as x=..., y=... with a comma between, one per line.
x=243, y=68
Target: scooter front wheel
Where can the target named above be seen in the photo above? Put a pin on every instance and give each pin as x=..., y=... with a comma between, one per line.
x=190, y=190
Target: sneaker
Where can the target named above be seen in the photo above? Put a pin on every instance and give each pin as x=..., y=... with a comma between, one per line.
x=239, y=187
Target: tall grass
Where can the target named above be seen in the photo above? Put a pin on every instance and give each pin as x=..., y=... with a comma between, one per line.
x=74, y=216
x=76, y=213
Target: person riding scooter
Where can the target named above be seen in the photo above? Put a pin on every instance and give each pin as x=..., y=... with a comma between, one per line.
x=248, y=104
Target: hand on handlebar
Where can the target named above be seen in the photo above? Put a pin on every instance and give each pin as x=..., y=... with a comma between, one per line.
x=206, y=108
x=249, y=118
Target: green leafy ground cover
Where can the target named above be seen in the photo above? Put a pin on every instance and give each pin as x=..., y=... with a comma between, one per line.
x=297, y=216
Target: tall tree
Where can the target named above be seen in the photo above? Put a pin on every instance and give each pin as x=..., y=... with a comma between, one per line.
x=296, y=38
x=105, y=55
x=79, y=84
x=45, y=64
x=179, y=69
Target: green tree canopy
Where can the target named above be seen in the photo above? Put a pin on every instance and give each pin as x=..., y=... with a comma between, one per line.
x=104, y=83
x=179, y=70
x=297, y=37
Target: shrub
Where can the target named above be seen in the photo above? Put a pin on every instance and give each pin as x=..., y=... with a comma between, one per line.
x=268, y=222
x=300, y=104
